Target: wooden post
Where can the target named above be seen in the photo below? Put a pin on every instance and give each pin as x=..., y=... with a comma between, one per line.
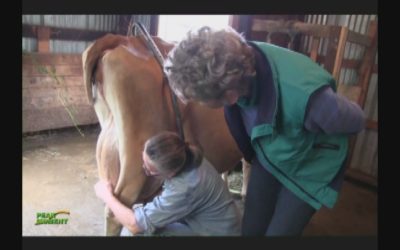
x=123, y=24
x=334, y=33
x=43, y=39
x=234, y=21
x=314, y=48
x=365, y=73
x=368, y=63
x=340, y=53
x=154, y=20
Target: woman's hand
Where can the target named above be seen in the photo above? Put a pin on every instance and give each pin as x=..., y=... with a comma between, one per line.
x=104, y=190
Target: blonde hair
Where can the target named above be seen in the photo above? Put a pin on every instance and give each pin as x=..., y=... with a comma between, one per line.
x=169, y=153
x=208, y=62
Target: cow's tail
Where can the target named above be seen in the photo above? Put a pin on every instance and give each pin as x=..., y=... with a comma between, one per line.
x=91, y=56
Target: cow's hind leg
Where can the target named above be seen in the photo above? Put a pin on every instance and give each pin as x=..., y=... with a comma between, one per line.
x=108, y=167
x=119, y=87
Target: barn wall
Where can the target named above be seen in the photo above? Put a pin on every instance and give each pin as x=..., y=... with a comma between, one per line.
x=58, y=100
x=107, y=23
x=82, y=22
x=279, y=38
x=365, y=155
x=53, y=93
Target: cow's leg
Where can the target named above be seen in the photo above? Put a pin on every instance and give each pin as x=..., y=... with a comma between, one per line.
x=119, y=92
x=108, y=166
x=246, y=174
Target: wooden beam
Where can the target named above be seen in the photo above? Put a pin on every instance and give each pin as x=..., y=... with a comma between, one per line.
x=340, y=53
x=359, y=176
x=331, y=53
x=346, y=63
x=234, y=21
x=51, y=59
x=368, y=62
x=29, y=30
x=365, y=75
x=371, y=124
x=123, y=24
x=64, y=33
x=358, y=38
x=314, y=49
x=245, y=22
x=375, y=68
x=322, y=31
x=154, y=20
x=43, y=36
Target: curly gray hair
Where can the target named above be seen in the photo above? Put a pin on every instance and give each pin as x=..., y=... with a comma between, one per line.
x=208, y=62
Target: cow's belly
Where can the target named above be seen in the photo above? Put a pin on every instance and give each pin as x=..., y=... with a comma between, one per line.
x=109, y=164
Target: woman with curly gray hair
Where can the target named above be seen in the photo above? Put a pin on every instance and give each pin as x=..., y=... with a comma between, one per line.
x=285, y=115
x=211, y=67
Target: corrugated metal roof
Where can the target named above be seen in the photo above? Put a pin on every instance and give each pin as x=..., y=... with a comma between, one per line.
x=84, y=22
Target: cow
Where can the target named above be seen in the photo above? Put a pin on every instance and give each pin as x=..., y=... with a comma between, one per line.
x=132, y=101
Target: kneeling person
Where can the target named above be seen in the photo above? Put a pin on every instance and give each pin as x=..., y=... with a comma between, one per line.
x=194, y=200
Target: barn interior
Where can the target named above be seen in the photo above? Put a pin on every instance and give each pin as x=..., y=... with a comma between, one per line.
x=60, y=127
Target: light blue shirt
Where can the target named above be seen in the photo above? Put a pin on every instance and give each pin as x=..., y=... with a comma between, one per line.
x=197, y=197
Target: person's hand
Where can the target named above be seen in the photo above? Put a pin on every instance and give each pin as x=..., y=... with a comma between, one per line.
x=104, y=190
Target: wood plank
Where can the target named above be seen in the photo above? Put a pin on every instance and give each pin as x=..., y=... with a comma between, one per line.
x=375, y=68
x=371, y=102
x=154, y=20
x=52, y=91
x=368, y=62
x=351, y=63
x=38, y=120
x=234, y=21
x=70, y=34
x=371, y=124
x=51, y=59
x=346, y=63
x=351, y=92
x=52, y=70
x=331, y=53
x=362, y=177
x=322, y=31
x=33, y=82
x=43, y=36
x=365, y=151
x=314, y=48
x=358, y=38
x=123, y=24
x=53, y=100
x=339, y=53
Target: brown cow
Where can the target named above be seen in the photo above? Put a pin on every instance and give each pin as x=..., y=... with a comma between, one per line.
x=133, y=103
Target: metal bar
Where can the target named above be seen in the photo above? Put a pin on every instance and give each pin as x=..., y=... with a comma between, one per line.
x=157, y=54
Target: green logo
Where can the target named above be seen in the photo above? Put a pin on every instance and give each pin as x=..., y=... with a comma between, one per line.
x=50, y=218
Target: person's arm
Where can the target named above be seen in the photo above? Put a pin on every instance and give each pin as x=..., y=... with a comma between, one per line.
x=330, y=113
x=122, y=213
x=173, y=204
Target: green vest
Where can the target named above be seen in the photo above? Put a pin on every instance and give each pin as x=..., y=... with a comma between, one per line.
x=302, y=161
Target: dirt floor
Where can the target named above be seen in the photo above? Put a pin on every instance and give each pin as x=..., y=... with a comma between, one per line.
x=59, y=171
